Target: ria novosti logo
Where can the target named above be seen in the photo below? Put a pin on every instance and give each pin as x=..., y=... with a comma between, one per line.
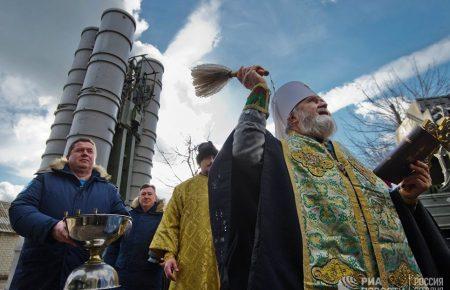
x=414, y=282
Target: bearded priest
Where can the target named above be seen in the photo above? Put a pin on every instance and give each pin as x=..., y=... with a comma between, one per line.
x=301, y=212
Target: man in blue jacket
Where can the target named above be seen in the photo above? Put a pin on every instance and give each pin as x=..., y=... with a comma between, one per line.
x=130, y=255
x=73, y=184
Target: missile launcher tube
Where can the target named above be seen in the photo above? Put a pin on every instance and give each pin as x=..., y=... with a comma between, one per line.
x=95, y=116
x=60, y=128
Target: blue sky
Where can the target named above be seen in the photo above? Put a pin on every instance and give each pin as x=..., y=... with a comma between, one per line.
x=333, y=46
x=324, y=43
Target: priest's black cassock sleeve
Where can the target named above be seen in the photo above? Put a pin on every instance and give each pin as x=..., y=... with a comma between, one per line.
x=254, y=221
x=425, y=240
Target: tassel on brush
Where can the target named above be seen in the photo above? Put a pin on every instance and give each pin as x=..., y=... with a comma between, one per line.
x=209, y=79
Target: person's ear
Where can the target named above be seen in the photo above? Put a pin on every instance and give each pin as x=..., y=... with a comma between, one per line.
x=292, y=120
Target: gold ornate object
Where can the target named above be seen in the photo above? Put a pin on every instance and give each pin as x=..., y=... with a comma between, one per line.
x=440, y=131
x=95, y=232
x=430, y=127
x=444, y=133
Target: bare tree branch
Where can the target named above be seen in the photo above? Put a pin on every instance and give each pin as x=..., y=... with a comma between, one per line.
x=175, y=156
x=372, y=133
x=166, y=184
x=167, y=162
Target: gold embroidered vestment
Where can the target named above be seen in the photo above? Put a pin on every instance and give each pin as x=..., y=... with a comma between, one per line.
x=185, y=233
x=350, y=229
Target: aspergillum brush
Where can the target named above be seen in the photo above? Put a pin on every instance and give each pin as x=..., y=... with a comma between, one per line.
x=209, y=79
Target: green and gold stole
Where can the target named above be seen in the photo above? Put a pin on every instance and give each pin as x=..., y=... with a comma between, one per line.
x=351, y=231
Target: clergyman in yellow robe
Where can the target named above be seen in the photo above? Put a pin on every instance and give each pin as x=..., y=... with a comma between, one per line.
x=184, y=236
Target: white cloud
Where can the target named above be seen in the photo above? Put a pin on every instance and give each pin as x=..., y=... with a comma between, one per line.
x=373, y=113
x=198, y=36
x=182, y=114
x=17, y=91
x=369, y=110
x=140, y=47
x=134, y=8
x=352, y=93
x=27, y=143
x=9, y=191
x=27, y=117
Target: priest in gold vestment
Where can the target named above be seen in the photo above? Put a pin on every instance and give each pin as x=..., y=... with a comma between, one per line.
x=183, y=237
x=303, y=213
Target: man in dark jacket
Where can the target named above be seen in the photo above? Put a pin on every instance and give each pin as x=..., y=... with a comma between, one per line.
x=130, y=255
x=73, y=184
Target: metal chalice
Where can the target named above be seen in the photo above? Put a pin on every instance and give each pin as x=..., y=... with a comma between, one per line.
x=95, y=232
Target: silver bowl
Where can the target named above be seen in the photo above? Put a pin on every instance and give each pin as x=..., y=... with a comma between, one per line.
x=95, y=232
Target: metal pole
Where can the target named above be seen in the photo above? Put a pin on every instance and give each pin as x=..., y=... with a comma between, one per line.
x=151, y=76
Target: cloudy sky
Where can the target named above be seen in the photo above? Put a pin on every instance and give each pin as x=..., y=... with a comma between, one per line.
x=335, y=46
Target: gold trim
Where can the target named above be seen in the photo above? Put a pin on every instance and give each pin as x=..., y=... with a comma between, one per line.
x=367, y=174
x=360, y=226
x=168, y=255
x=307, y=274
x=257, y=107
x=266, y=92
x=333, y=272
x=368, y=216
x=314, y=162
x=262, y=85
x=403, y=276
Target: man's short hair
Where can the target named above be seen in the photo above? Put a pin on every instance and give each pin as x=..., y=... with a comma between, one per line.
x=82, y=139
x=147, y=186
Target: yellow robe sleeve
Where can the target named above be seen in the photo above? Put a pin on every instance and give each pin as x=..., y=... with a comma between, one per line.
x=166, y=240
